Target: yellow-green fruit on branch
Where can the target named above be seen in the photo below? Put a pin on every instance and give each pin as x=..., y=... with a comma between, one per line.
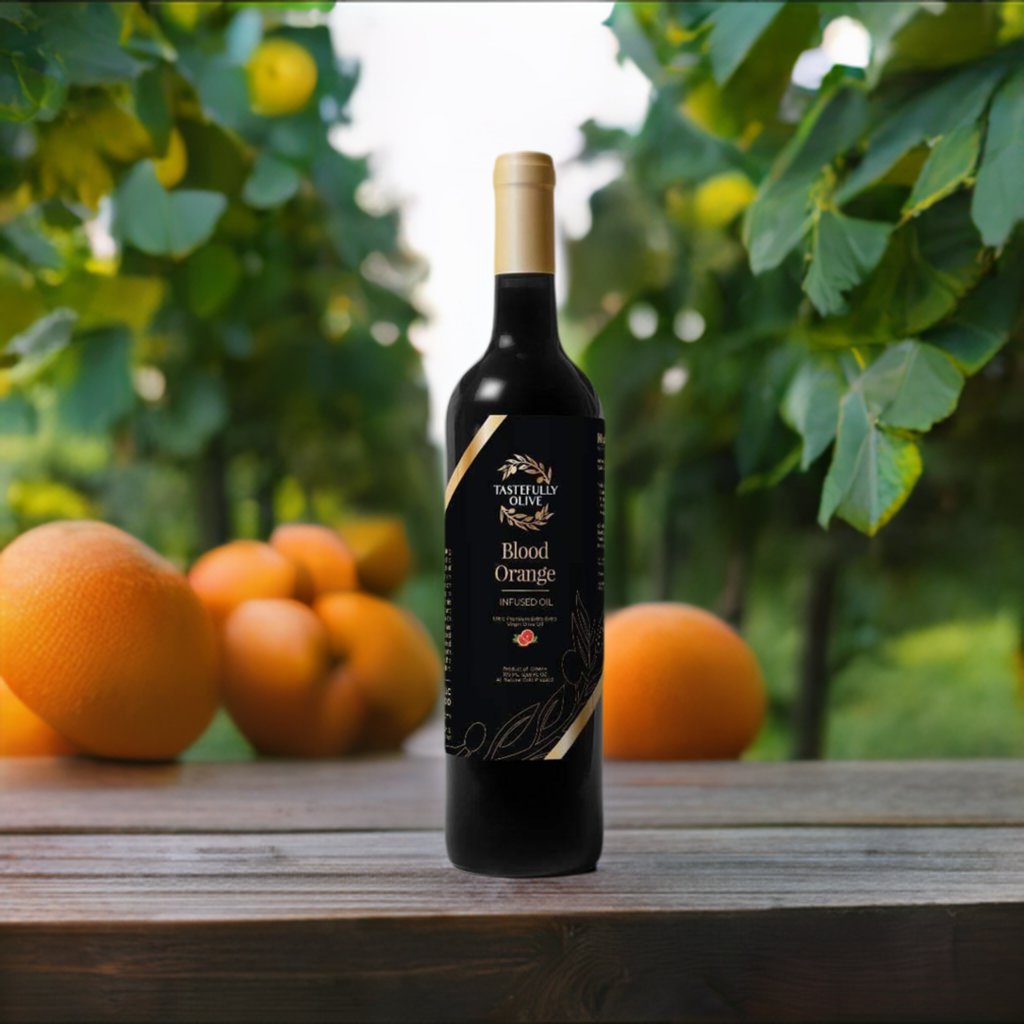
x=282, y=77
x=171, y=167
x=721, y=199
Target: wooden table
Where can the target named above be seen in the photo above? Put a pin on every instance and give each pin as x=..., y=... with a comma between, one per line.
x=319, y=891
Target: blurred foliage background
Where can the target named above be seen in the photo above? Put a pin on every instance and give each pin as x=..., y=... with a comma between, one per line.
x=814, y=312
x=800, y=300
x=203, y=329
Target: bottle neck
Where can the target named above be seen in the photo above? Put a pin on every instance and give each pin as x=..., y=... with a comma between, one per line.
x=524, y=253
x=525, y=313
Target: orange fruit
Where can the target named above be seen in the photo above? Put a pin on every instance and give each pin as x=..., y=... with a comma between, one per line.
x=390, y=658
x=321, y=555
x=282, y=77
x=679, y=684
x=23, y=733
x=240, y=571
x=381, y=548
x=279, y=684
x=106, y=641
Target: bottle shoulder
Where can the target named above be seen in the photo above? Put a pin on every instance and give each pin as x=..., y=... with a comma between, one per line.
x=516, y=383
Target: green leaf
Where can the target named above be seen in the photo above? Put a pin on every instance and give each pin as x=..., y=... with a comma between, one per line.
x=87, y=38
x=153, y=107
x=999, y=193
x=32, y=83
x=243, y=35
x=273, y=181
x=911, y=386
x=811, y=405
x=100, y=390
x=213, y=274
x=930, y=263
x=163, y=223
x=15, y=13
x=34, y=349
x=27, y=235
x=781, y=214
x=873, y=470
x=950, y=163
x=104, y=301
x=843, y=252
x=939, y=37
x=735, y=28
x=633, y=41
x=982, y=323
x=18, y=416
x=762, y=443
x=956, y=101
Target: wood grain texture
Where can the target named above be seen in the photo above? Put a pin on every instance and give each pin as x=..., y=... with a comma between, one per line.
x=113, y=879
x=923, y=963
x=43, y=795
x=315, y=892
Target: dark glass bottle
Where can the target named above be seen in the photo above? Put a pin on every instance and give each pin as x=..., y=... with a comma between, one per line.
x=524, y=570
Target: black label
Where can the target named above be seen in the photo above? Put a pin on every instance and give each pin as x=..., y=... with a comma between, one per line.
x=524, y=587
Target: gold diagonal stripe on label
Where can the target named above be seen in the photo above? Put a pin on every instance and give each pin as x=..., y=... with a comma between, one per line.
x=561, y=748
x=473, y=449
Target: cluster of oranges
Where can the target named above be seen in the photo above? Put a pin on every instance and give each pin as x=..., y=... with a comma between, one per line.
x=105, y=648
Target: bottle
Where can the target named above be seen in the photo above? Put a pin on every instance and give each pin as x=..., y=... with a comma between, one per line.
x=524, y=570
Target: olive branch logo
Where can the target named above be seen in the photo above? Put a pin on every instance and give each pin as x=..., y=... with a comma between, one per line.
x=524, y=520
x=528, y=521
x=525, y=464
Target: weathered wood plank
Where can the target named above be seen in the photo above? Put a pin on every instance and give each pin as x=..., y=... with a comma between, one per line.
x=109, y=880
x=41, y=795
x=924, y=963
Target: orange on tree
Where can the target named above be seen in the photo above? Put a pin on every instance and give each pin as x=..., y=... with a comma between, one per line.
x=324, y=559
x=382, y=552
x=281, y=686
x=242, y=570
x=679, y=684
x=23, y=733
x=282, y=77
x=390, y=657
x=105, y=640
x=170, y=168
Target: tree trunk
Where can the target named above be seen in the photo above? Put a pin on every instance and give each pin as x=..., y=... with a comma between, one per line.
x=812, y=699
x=668, y=546
x=746, y=519
x=214, y=504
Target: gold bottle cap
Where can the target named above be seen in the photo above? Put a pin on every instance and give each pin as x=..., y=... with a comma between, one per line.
x=524, y=169
x=524, y=238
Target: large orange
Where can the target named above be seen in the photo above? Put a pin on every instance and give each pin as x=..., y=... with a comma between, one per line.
x=241, y=571
x=106, y=641
x=23, y=733
x=279, y=685
x=323, y=558
x=679, y=684
x=390, y=657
